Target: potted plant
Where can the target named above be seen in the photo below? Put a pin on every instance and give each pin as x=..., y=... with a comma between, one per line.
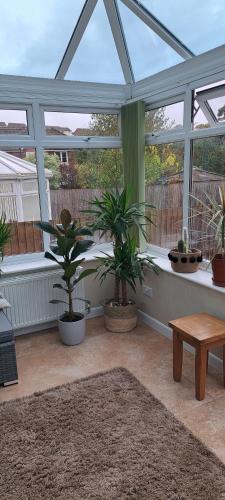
x=5, y=234
x=184, y=259
x=214, y=211
x=65, y=253
x=115, y=214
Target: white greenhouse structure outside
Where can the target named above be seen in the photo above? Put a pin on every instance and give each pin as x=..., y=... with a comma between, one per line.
x=19, y=198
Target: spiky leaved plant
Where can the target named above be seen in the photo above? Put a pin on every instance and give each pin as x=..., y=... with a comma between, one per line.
x=117, y=215
x=126, y=265
x=5, y=234
x=65, y=253
x=214, y=211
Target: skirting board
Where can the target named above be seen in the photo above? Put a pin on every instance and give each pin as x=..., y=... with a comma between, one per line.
x=167, y=332
x=94, y=312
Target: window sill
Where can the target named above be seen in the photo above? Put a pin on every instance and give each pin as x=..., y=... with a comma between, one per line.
x=201, y=277
x=32, y=264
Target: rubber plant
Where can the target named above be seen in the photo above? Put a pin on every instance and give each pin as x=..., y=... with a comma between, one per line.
x=65, y=252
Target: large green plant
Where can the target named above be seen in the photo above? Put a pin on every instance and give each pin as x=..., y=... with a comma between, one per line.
x=115, y=214
x=214, y=211
x=65, y=253
x=126, y=265
x=5, y=234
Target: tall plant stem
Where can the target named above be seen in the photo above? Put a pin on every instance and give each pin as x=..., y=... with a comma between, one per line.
x=70, y=301
x=117, y=289
x=124, y=292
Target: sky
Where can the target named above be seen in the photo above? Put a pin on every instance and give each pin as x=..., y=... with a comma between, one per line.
x=34, y=35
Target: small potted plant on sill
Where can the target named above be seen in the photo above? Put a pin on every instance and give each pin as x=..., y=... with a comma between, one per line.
x=117, y=216
x=65, y=253
x=183, y=259
x=214, y=211
x=5, y=234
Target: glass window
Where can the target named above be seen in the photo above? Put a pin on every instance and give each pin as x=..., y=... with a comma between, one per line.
x=87, y=174
x=208, y=173
x=81, y=124
x=149, y=53
x=13, y=121
x=200, y=25
x=209, y=105
x=164, y=189
x=19, y=199
x=34, y=35
x=96, y=59
x=165, y=118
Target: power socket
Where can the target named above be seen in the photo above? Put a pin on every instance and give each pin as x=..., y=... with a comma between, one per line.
x=147, y=291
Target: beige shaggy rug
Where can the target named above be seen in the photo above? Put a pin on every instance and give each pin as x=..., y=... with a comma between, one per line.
x=104, y=437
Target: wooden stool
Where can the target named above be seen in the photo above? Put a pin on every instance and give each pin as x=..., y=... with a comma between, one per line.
x=203, y=332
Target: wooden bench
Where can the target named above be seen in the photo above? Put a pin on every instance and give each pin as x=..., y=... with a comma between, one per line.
x=203, y=332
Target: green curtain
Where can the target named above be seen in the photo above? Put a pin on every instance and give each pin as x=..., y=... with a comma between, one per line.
x=133, y=141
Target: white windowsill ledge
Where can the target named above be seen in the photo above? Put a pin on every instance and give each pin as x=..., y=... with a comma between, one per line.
x=33, y=264
x=201, y=277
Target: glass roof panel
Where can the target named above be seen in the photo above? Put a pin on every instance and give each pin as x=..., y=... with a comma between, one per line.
x=199, y=24
x=34, y=35
x=149, y=53
x=96, y=58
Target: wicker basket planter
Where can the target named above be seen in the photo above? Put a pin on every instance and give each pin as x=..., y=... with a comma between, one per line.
x=119, y=318
x=185, y=262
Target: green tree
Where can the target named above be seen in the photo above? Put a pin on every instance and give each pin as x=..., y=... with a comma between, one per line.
x=105, y=125
x=52, y=163
x=100, y=169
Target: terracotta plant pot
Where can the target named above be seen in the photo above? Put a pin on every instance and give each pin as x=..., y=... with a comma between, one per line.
x=120, y=318
x=218, y=269
x=185, y=262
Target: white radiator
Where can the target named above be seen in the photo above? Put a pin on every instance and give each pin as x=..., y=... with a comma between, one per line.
x=29, y=296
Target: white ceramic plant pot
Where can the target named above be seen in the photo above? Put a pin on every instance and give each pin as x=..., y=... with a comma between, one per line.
x=73, y=332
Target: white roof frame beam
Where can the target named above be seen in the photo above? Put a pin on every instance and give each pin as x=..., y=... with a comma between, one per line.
x=152, y=22
x=76, y=38
x=113, y=14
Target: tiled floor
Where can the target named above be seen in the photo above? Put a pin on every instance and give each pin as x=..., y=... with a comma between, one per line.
x=44, y=362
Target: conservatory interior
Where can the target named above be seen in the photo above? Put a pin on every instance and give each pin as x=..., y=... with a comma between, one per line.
x=112, y=238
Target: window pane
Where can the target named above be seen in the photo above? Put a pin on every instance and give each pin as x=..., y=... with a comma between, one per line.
x=96, y=59
x=81, y=124
x=149, y=53
x=200, y=25
x=218, y=107
x=209, y=105
x=164, y=118
x=164, y=189
x=19, y=199
x=13, y=121
x=208, y=174
x=34, y=35
x=87, y=174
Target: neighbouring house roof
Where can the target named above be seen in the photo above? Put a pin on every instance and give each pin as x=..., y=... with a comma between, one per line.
x=12, y=167
x=13, y=128
x=198, y=175
x=57, y=130
x=83, y=131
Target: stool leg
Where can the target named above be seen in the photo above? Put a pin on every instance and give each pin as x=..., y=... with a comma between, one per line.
x=224, y=365
x=177, y=356
x=200, y=372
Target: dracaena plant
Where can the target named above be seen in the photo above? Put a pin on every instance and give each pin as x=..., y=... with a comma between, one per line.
x=214, y=212
x=126, y=265
x=115, y=214
x=5, y=234
x=65, y=252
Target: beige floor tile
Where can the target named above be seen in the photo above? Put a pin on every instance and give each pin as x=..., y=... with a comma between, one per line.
x=43, y=362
